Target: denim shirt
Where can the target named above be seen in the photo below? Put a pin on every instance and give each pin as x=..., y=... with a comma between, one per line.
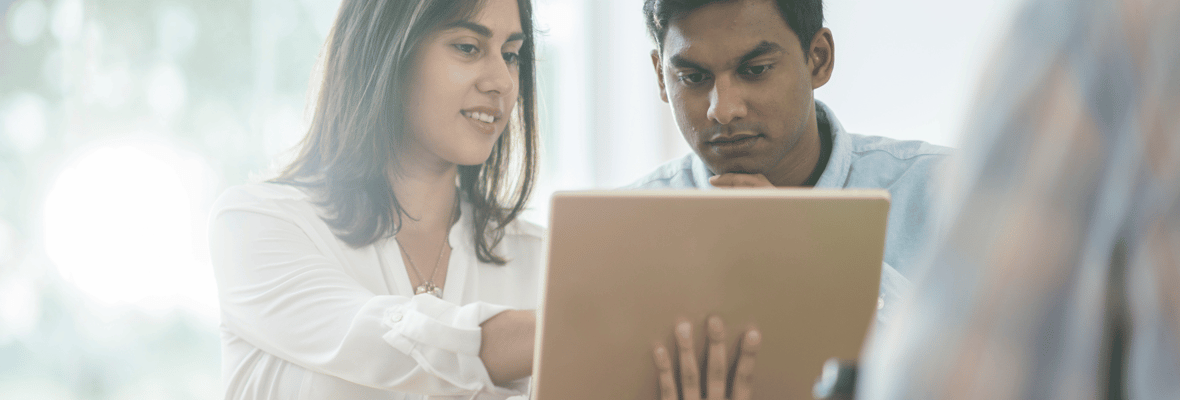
x=907, y=169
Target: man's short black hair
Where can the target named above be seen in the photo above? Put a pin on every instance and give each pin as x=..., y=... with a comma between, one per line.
x=805, y=17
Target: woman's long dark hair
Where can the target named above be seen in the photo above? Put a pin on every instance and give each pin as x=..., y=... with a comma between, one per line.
x=359, y=123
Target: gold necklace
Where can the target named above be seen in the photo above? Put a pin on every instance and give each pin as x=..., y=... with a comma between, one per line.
x=428, y=286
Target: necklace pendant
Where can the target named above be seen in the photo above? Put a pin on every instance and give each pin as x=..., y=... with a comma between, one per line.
x=429, y=288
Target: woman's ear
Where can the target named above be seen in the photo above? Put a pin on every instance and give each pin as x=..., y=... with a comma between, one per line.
x=821, y=57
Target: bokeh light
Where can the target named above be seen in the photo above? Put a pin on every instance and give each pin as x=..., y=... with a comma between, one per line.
x=167, y=91
x=27, y=20
x=24, y=121
x=284, y=127
x=36, y=389
x=19, y=308
x=176, y=30
x=119, y=225
x=8, y=250
x=66, y=21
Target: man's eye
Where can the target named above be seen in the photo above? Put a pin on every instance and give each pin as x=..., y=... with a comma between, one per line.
x=512, y=58
x=467, y=48
x=693, y=78
x=755, y=70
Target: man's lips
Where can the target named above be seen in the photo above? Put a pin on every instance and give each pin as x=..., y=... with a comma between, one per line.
x=732, y=139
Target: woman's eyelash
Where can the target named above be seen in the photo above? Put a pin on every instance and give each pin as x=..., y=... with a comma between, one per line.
x=471, y=49
x=467, y=48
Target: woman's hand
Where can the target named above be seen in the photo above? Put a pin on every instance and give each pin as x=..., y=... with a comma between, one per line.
x=740, y=384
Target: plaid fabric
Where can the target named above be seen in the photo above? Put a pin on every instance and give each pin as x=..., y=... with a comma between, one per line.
x=1072, y=165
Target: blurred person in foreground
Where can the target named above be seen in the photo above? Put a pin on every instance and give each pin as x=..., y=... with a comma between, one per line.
x=1059, y=277
x=739, y=77
x=386, y=261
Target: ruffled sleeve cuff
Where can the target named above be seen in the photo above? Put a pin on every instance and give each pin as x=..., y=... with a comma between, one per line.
x=444, y=339
x=894, y=288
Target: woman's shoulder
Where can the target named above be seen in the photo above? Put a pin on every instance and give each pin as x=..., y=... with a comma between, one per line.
x=266, y=198
x=521, y=229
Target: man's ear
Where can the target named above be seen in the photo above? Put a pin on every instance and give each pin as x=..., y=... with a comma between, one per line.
x=655, y=63
x=822, y=57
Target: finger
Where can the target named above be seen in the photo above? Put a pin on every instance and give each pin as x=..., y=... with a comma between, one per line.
x=755, y=180
x=690, y=383
x=715, y=360
x=727, y=180
x=667, y=377
x=734, y=180
x=743, y=376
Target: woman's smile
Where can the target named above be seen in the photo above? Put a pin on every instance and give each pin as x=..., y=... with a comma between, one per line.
x=485, y=119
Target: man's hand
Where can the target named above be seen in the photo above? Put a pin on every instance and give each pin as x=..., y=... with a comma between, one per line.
x=715, y=365
x=732, y=180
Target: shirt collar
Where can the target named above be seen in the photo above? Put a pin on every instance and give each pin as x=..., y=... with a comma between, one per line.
x=835, y=175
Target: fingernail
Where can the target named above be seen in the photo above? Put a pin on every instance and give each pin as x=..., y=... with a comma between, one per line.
x=660, y=352
x=684, y=330
x=753, y=337
x=715, y=325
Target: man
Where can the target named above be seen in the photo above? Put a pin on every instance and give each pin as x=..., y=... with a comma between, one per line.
x=739, y=76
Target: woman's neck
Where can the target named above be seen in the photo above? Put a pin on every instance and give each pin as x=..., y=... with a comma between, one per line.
x=428, y=197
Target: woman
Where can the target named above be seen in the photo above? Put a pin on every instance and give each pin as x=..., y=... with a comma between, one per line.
x=386, y=261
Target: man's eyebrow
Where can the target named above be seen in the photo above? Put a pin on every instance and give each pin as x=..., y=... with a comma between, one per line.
x=760, y=50
x=482, y=30
x=679, y=61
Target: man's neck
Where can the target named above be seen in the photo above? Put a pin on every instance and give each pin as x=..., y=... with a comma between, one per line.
x=825, y=152
x=802, y=159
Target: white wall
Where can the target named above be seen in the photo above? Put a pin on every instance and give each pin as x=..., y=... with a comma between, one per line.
x=909, y=69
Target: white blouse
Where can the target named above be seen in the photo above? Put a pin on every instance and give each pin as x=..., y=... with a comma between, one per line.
x=306, y=316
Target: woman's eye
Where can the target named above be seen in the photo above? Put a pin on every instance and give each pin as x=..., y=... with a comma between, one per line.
x=512, y=58
x=755, y=70
x=467, y=48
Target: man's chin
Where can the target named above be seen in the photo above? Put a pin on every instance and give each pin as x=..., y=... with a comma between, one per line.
x=719, y=167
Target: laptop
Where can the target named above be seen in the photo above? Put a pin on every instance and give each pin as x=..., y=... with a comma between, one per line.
x=804, y=265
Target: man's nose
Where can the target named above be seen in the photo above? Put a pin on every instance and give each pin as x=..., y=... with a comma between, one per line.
x=726, y=101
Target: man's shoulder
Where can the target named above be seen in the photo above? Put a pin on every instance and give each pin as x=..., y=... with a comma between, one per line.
x=876, y=161
x=675, y=174
x=901, y=150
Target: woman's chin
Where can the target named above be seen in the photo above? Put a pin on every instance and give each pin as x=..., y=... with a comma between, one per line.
x=472, y=159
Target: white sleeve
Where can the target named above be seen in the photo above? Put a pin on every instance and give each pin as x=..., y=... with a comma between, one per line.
x=893, y=290
x=280, y=293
